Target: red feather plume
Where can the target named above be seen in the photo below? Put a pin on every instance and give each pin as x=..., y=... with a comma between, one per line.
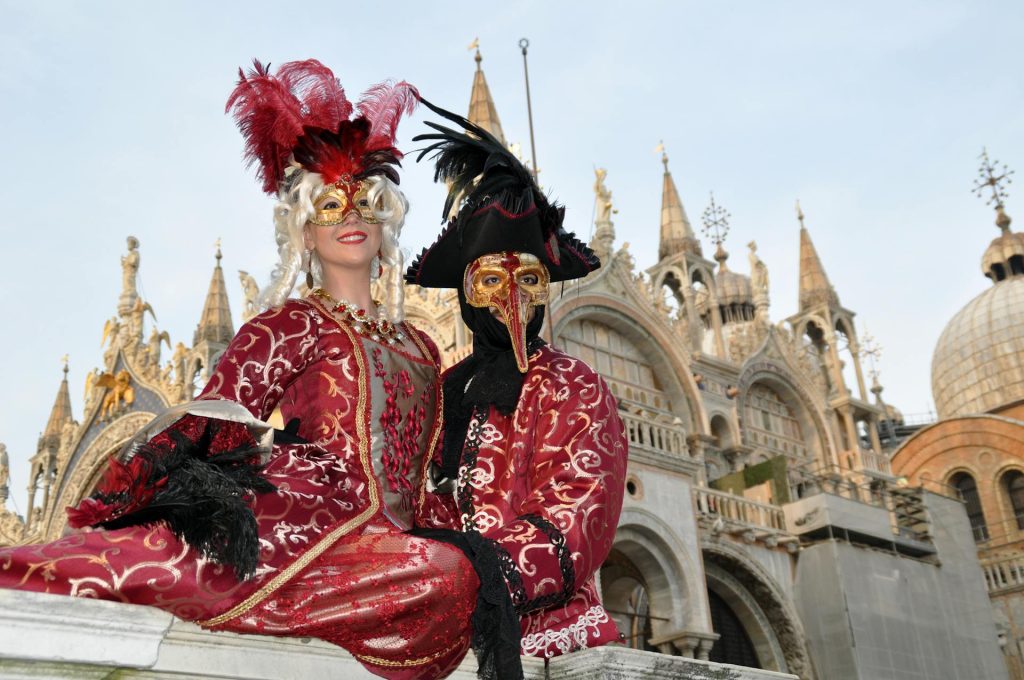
x=384, y=105
x=303, y=109
x=270, y=118
x=324, y=103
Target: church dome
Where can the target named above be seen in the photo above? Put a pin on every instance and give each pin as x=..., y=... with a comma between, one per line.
x=1004, y=256
x=978, y=364
x=733, y=288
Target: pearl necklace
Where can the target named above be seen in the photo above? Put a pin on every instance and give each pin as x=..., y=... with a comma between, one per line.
x=378, y=330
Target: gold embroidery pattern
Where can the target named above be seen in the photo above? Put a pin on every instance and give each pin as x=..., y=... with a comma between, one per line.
x=428, y=455
x=388, y=663
x=362, y=422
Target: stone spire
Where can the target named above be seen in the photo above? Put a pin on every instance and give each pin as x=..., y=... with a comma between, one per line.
x=215, y=324
x=44, y=463
x=815, y=288
x=676, y=234
x=59, y=415
x=481, y=107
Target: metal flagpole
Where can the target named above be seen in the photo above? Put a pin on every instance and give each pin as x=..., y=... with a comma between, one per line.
x=524, y=43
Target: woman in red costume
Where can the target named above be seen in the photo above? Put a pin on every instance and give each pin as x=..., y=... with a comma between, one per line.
x=218, y=519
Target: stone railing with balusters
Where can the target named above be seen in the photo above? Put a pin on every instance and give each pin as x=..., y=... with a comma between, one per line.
x=875, y=462
x=659, y=444
x=739, y=511
x=661, y=436
x=1003, y=573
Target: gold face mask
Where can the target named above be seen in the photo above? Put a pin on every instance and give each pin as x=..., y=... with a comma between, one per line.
x=339, y=199
x=512, y=283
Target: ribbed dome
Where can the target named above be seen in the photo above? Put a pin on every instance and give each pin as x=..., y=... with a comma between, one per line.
x=733, y=288
x=734, y=292
x=978, y=363
x=1004, y=256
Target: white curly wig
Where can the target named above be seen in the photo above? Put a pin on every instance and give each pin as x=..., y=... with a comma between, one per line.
x=294, y=209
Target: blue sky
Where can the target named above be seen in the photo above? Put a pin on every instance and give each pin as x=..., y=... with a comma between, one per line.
x=871, y=113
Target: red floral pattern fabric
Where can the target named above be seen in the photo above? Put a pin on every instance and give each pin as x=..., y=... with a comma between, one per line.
x=326, y=546
x=546, y=484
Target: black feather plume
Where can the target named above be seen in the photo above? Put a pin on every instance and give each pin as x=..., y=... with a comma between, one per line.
x=476, y=166
x=203, y=498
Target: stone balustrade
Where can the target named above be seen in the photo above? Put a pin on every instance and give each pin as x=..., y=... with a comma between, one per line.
x=663, y=437
x=875, y=462
x=1003, y=573
x=740, y=511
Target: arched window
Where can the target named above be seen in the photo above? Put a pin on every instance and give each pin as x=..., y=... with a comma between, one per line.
x=733, y=645
x=626, y=599
x=620, y=362
x=968, y=488
x=771, y=423
x=1013, y=483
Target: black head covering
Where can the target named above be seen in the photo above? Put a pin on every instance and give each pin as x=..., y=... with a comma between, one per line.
x=501, y=208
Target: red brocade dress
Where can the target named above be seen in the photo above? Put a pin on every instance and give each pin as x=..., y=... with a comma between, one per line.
x=334, y=561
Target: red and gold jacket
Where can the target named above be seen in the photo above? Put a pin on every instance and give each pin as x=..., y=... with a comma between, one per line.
x=300, y=359
x=545, y=485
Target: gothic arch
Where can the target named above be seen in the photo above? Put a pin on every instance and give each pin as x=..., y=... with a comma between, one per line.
x=800, y=327
x=721, y=427
x=783, y=625
x=677, y=600
x=703, y=275
x=674, y=279
x=89, y=465
x=1008, y=483
x=755, y=621
x=972, y=490
x=662, y=349
x=726, y=438
x=811, y=420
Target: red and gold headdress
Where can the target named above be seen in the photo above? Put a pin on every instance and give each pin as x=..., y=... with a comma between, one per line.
x=301, y=114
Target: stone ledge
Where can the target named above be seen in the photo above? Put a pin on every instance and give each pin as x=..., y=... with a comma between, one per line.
x=620, y=663
x=51, y=637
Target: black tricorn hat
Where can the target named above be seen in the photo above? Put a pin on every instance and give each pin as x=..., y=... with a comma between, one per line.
x=501, y=208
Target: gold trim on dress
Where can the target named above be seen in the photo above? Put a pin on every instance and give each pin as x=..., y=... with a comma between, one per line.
x=362, y=422
x=388, y=663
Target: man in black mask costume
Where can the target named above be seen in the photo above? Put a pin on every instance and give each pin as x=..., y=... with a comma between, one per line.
x=530, y=479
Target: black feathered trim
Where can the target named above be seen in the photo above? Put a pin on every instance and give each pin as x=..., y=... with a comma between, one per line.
x=497, y=635
x=501, y=208
x=350, y=138
x=412, y=274
x=203, y=498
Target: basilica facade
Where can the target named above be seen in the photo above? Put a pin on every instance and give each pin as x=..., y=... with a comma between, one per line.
x=778, y=514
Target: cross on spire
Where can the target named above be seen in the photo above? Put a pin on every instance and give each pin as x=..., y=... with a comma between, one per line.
x=716, y=228
x=716, y=222
x=872, y=351
x=990, y=177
